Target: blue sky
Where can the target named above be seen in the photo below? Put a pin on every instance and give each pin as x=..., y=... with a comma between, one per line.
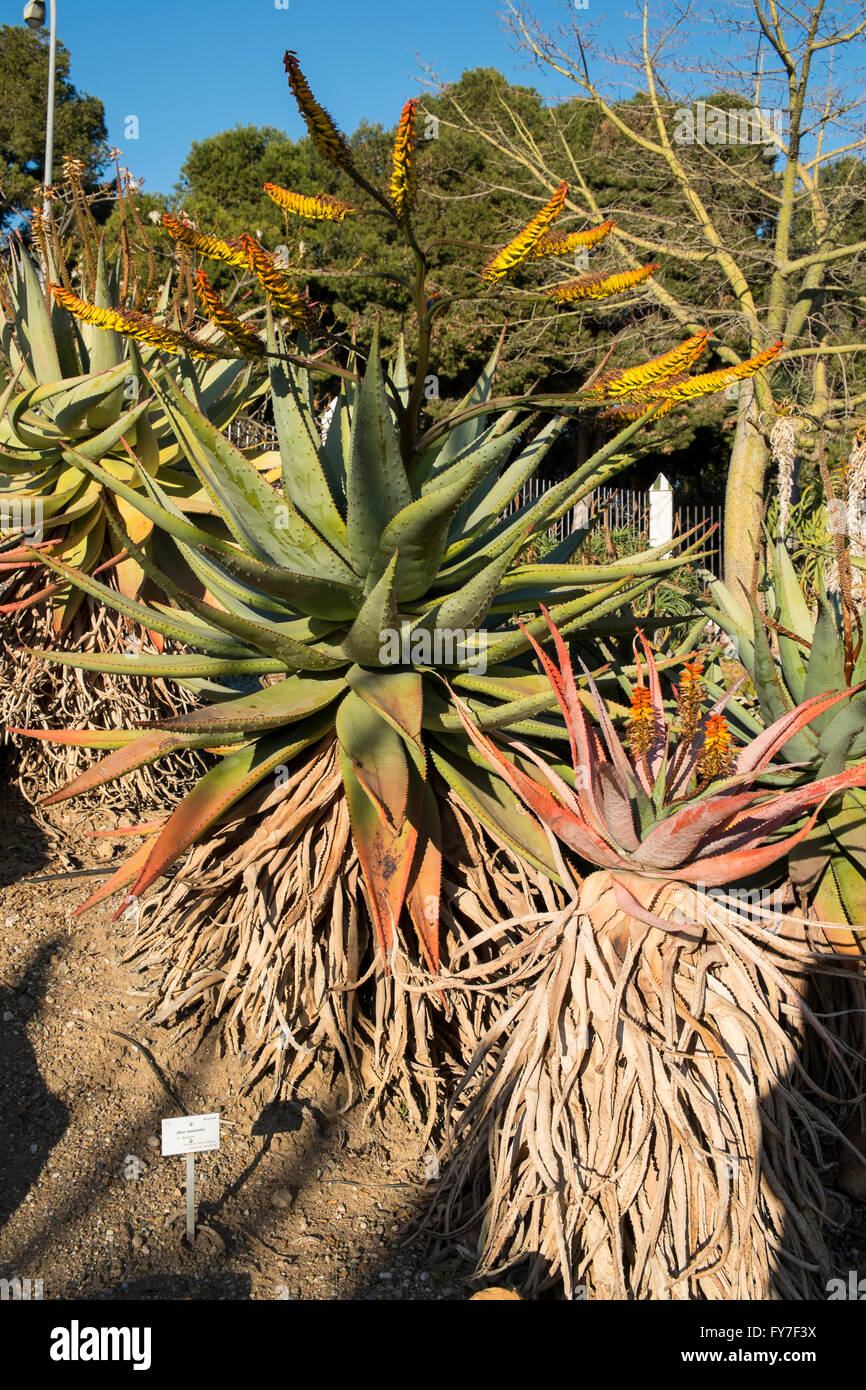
x=190, y=68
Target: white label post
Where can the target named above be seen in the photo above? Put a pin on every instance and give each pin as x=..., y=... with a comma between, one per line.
x=189, y=1135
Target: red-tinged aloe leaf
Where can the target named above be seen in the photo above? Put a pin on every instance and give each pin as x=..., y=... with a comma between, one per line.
x=565, y=824
x=627, y=902
x=585, y=750
x=32, y=601
x=378, y=757
x=717, y=870
x=617, y=808
x=425, y=884
x=220, y=788
x=790, y=803
x=761, y=750
x=398, y=696
x=123, y=875
x=676, y=839
x=144, y=749
x=82, y=738
x=558, y=678
x=385, y=852
x=272, y=707
x=23, y=555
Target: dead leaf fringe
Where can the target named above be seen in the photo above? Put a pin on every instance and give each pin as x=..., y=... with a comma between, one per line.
x=638, y=1123
x=265, y=933
x=38, y=694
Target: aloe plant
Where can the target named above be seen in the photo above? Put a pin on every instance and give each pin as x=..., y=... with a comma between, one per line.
x=793, y=651
x=613, y=1114
x=388, y=560
x=76, y=393
x=352, y=593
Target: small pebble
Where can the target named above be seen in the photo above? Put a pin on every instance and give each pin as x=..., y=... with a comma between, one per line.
x=282, y=1198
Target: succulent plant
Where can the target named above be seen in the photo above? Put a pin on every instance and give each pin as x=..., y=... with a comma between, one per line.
x=794, y=651
x=76, y=393
x=628, y=1119
x=352, y=594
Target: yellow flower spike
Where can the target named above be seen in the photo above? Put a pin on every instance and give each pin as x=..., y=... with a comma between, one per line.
x=599, y=286
x=214, y=247
x=133, y=324
x=662, y=368
x=404, y=173
x=322, y=207
x=284, y=298
x=328, y=140
x=526, y=241
x=245, y=341
x=709, y=382
x=563, y=243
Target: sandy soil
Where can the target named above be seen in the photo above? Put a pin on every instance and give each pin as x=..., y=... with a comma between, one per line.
x=300, y=1202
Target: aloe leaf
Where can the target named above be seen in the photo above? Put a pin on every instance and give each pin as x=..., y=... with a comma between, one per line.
x=826, y=666
x=486, y=504
x=398, y=697
x=420, y=530
x=576, y=613
x=319, y=598
x=425, y=881
x=384, y=794
x=462, y=436
x=335, y=450
x=378, y=615
x=146, y=748
x=502, y=716
x=795, y=616
x=34, y=327
x=220, y=787
x=467, y=608
x=773, y=700
x=270, y=638
x=261, y=520
x=75, y=407
x=284, y=702
x=173, y=626
x=304, y=478
x=106, y=347
x=376, y=487
x=338, y=600
x=169, y=666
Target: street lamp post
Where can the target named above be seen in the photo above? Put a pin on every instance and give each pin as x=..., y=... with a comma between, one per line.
x=34, y=15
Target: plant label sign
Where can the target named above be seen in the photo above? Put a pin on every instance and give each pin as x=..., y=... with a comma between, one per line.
x=190, y=1134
